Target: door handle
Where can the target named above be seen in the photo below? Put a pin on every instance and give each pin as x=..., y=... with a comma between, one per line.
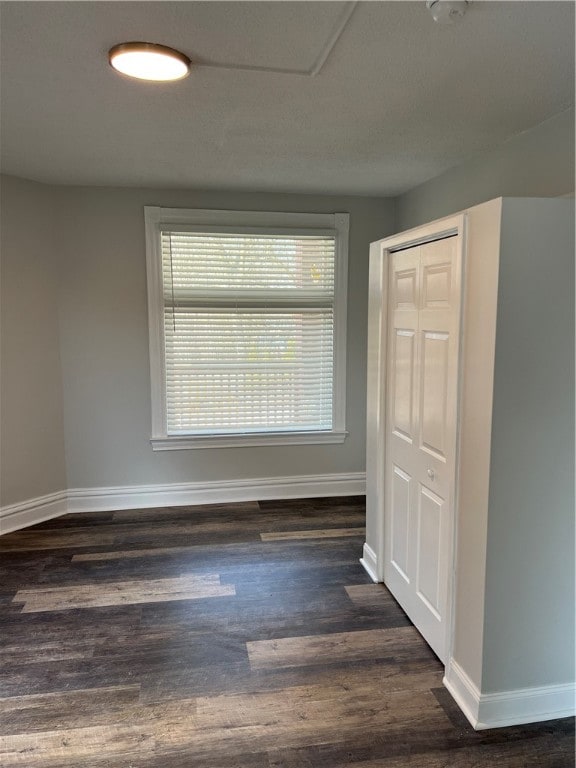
x=431, y=474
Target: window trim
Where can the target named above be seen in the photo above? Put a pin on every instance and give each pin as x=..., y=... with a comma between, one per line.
x=159, y=219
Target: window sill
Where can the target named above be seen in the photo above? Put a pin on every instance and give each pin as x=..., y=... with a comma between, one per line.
x=185, y=442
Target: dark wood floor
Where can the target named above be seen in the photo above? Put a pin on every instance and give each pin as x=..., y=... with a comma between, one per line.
x=240, y=635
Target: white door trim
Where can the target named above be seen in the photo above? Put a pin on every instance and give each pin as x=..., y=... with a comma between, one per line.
x=377, y=356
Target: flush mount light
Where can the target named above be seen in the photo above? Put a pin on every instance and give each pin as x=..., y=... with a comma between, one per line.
x=447, y=11
x=149, y=61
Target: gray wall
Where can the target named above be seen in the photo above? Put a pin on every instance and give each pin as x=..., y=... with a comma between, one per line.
x=32, y=430
x=104, y=343
x=536, y=163
x=529, y=600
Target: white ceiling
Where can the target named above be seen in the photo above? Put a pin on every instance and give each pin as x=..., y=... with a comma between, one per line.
x=398, y=99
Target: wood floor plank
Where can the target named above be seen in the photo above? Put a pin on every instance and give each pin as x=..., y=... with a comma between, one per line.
x=76, y=744
x=369, y=595
x=30, y=540
x=152, y=586
x=326, y=533
x=66, y=709
x=401, y=642
x=68, y=627
x=187, y=587
x=126, y=554
x=59, y=650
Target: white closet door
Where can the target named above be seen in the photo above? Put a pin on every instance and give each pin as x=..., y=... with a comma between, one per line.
x=422, y=372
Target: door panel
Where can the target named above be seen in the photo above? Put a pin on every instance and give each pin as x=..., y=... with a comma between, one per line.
x=436, y=285
x=401, y=492
x=422, y=368
x=405, y=288
x=429, y=549
x=403, y=362
x=433, y=392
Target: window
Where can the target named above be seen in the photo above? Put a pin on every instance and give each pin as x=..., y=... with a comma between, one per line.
x=247, y=316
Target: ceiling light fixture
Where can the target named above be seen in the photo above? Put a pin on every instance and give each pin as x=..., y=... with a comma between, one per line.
x=149, y=61
x=447, y=11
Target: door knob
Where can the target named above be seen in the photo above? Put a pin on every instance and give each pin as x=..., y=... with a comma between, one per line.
x=431, y=474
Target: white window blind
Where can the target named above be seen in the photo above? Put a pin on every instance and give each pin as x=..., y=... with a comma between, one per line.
x=248, y=332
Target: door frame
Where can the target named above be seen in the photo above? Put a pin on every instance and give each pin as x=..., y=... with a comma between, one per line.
x=380, y=252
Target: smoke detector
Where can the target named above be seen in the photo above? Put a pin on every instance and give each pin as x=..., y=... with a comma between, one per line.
x=447, y=11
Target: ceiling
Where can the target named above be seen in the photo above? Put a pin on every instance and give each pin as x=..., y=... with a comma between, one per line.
x=396, y=99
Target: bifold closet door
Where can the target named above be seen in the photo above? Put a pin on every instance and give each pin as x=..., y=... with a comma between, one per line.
x=422, y=376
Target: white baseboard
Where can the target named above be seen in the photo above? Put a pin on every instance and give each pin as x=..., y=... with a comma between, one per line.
x=369, y=562
x=215, y=492
x=506, y=708
x=32, y=511
x=527, y=705
x=464, y=692
x=178, y=494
